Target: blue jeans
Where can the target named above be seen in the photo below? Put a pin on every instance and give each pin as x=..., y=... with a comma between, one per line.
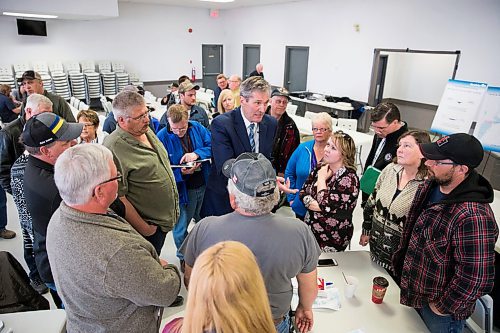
x=188, y=212
x=3, y=209
x=55, y=296
x=284, y=326
x=440, y=324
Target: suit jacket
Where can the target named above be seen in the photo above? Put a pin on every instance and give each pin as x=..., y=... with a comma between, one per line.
x=230, y=139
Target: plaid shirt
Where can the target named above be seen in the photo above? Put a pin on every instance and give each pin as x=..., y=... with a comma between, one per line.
x=446, y=255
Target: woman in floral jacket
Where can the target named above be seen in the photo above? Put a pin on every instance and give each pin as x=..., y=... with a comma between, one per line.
x=330, y=193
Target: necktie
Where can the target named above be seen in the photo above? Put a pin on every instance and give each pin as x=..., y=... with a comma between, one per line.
x=251, y=136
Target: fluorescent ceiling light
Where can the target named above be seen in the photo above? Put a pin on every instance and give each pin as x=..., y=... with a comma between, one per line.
x=217, y=0
x=30, y=15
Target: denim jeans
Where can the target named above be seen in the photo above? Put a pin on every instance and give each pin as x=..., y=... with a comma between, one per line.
x=284, y=326
x=157, y=239
x=188, y=212
x=3, y=209
x=440, y=324
x=55, y=296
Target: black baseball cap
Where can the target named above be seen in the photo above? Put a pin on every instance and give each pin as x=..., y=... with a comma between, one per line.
x=461, y=148
x=281, y=92
x=252, y=174
x=48, y=127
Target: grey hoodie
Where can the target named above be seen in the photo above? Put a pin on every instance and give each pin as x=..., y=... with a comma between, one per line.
x=108, y=276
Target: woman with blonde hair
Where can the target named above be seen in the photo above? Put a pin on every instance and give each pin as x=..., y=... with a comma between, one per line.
x=225, y=102
x=226, y=294
x=330, y=194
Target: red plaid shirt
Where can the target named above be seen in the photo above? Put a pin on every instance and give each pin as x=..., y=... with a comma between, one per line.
x=447, y=250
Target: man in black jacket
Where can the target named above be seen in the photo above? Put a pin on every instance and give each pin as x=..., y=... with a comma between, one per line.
x=45, y=137
x=10, y=150
x=388, y=127
x=287, y=135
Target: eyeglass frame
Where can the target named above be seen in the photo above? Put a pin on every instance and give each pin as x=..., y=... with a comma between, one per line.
x=140, y=117
x=436, y=163
x=321, y=130
x=118, y=177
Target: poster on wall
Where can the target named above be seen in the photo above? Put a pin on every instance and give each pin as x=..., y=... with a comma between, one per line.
x=470, y=107
x=459, y=107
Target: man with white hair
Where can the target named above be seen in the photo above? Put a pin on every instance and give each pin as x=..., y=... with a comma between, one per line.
x=259, y=71
x=45, y=137
x=253, y=193
x=148, y=187
x=109, y=277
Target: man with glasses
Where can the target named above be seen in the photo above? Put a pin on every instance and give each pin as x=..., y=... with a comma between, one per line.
x=287, y=134
x=446, y=256
x=221, y=85
x=245, y=129
x=148, y=187
x=33, y=84
x=110, y=277
x=234, y=83
x=388, y=127
x=45, y=137
x=187, y=142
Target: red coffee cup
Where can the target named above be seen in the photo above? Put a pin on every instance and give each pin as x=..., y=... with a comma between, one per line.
x=380, y=285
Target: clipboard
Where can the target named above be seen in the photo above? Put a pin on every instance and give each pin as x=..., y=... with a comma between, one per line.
x=369, y=179
x=185, y=165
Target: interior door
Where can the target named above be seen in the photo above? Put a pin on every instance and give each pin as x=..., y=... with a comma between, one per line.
x=212, y=64
x=251, y=57
x=296, y=63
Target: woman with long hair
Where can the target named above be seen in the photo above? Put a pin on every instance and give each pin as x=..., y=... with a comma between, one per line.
x=225, y=102
x=330, y=194
x=226, y=294
x=387, y=207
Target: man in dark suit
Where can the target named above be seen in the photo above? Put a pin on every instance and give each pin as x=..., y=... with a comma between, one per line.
x=245, y=129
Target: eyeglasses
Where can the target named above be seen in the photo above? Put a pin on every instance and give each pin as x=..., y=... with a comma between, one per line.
x=436, y=163
x=118, y=177
x=380, y=128
x=87, y=124
x=179, y=130
x=141, y=117
x=320, y=130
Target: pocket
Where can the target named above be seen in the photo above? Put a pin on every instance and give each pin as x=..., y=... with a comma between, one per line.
x=436, y=250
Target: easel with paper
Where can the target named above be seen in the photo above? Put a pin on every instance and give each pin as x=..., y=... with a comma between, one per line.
x=470, y=107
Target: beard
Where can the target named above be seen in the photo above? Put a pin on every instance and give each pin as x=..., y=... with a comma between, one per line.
x=445, y=180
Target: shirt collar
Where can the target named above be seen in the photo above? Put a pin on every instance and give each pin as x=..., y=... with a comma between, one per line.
x=246, y=121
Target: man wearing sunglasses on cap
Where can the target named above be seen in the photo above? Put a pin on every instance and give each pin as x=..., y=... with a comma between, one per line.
x=33, y=84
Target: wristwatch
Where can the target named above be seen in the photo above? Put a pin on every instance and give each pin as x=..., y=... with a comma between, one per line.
x=307, y=200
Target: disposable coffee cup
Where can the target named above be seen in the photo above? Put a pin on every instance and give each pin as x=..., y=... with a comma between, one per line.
x=351, y=286
x=380, y=285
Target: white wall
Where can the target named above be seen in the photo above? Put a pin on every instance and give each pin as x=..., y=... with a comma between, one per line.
x=417, y=77
x=153, y=39
x=340, y=59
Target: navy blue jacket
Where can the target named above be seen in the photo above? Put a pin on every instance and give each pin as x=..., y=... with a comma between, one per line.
x=230, y=139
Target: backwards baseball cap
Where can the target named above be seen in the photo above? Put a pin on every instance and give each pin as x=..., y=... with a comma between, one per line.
x=252, y=174
x=30, y=75
x=461, y=148
x=186, y=86
x=48, y=127
x=281, y=92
